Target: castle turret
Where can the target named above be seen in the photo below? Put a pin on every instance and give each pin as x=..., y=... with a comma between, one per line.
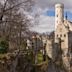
x=59, y=14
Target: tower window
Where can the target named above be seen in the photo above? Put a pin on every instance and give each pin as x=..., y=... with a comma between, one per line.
x=64, y=35
x=57, y=35
x=61, y=35
x=57, y=15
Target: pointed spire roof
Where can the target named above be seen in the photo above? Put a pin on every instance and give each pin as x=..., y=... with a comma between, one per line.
x=66, y=16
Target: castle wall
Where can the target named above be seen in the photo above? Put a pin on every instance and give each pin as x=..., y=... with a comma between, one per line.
x=49, y=47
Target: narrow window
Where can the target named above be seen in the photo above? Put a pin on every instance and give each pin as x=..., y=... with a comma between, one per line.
x=57, y=15
x=61, y=35
x=57, y=35
x=64, y=35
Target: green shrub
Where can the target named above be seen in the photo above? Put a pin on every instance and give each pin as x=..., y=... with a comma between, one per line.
x=4, y=46
x=39, y=57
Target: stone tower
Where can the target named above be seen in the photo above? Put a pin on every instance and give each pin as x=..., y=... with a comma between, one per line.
x=59, y=14
x=59, y=17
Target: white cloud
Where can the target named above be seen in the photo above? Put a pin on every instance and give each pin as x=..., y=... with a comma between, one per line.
x=51, y=3
x=46, y=24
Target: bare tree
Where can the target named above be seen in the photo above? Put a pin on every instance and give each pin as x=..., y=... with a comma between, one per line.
x=13, y=27
x=13, y=24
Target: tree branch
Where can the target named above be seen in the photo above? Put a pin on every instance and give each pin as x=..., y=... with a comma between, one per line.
x=3, y=10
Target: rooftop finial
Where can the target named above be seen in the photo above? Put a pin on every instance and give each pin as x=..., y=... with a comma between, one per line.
x=66, y=16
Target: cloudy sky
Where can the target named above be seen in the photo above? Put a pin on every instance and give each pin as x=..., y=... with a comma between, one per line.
x=46, y=10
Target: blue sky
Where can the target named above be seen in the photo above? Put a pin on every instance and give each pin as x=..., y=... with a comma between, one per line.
x=51, y=12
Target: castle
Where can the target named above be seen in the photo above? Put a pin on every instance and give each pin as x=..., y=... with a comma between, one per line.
x=63, y=37
x=63, y=32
